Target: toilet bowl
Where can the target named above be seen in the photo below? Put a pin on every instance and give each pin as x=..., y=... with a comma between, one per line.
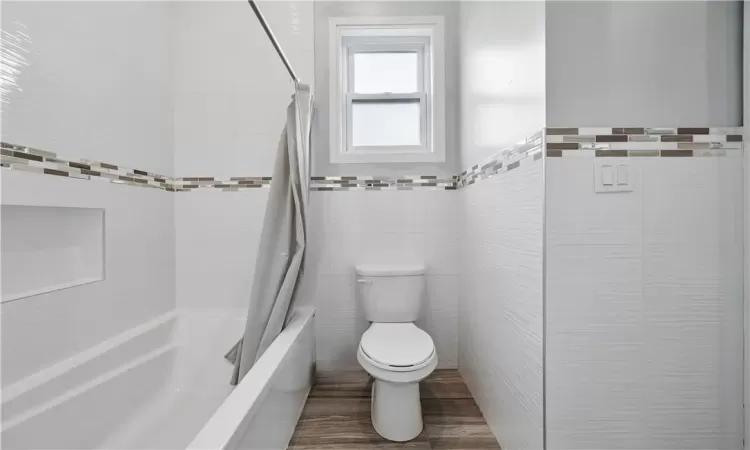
x=393, y=349
x=398, y=356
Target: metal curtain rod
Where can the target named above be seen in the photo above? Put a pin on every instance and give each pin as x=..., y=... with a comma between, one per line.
x=275, y=43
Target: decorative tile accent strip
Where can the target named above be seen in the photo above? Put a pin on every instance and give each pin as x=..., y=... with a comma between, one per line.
x=526, y=151
x=611, y=153
x=17, y=157
x=375, y=183
x=559, y=142
x=562, y=146
x=182, y=184
x=28, y=159
x=643, y=142
x=641, y=153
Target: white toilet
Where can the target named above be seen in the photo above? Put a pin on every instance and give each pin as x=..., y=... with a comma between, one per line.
x=394, y=350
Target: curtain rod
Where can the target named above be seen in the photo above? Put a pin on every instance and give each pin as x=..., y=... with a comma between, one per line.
x=275, y=43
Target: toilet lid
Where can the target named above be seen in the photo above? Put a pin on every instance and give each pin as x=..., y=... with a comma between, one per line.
x=397, y=344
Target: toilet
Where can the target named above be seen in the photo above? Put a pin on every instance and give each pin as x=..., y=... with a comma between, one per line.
x=394, y=350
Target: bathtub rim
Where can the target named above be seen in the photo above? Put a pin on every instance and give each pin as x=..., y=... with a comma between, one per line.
x=241, y=405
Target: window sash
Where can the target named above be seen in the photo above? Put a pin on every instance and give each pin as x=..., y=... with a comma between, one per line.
x=369, y=45
x=424, y=137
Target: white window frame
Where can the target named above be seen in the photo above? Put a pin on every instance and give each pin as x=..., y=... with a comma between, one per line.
x=423, y=35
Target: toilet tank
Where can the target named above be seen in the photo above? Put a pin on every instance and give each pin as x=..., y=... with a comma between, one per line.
x=391, y=293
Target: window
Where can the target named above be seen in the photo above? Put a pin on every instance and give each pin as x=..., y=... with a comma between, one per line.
x=387, y=100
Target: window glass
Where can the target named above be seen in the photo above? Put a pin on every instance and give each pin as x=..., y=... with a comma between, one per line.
x=392, y=72
x=385, y=124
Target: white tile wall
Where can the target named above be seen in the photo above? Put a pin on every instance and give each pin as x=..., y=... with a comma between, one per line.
x=688, y=71
x=217, y=235
x=644, y=306
x=231, y=88
x=139, y=273
x=205, y=336
x=94, y=88
x=231, y=93
x=500, y=307
x=502, y=64
x=384, y=227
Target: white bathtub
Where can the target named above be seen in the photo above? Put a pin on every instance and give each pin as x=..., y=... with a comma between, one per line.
x=163, y=385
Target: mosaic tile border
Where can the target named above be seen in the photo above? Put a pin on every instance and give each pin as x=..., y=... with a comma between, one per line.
x=375, y=183
x=525, y=151
x=556, y=142
x=44, y=162
x=184, y=184
x=642, y=141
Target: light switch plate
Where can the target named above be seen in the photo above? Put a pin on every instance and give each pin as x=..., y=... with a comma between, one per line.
x=613, y=175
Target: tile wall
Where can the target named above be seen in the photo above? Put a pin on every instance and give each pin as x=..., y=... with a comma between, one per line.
x=216, y=241
x=500, y=302
x=377, y=219
x=371, y=227
x=644, y=290
x=352, y=223
x=78, y=97
x=503, y=82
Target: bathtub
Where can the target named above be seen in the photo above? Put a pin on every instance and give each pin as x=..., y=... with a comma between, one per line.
x=164, y=385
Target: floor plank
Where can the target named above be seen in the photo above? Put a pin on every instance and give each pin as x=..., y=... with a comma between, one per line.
x=444, y=384
x=342, y=384
x=337, y=416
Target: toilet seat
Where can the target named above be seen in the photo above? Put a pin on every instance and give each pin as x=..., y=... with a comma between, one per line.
x=397, y=347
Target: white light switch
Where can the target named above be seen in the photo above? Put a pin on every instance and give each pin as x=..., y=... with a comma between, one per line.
x=622, y=175
x=612, y=175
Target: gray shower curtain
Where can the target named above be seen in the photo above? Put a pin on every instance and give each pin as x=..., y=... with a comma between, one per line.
x=282, y=243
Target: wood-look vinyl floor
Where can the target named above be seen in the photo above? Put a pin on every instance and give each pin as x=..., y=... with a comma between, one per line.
x=337, y=416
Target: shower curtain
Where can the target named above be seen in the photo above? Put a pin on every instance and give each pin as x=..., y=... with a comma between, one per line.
x=282, y=243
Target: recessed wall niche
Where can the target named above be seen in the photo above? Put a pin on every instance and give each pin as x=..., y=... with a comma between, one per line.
x=48, y=248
